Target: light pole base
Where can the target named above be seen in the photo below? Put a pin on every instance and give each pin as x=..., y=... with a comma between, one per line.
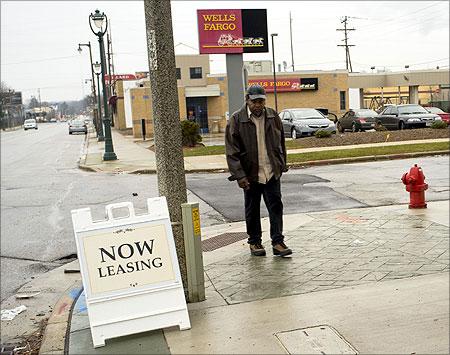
x=109, y=156
x=101, y=139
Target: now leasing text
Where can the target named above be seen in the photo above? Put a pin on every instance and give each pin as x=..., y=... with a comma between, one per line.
x=126, y=251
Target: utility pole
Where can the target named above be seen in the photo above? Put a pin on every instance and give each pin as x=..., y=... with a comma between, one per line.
x=110, y=81
x=112, y=51
x=348, y=62
x=40, y=104
x=166, y=119
x=292, y=47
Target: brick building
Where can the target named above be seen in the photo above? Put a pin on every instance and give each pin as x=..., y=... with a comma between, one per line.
x=203, y=96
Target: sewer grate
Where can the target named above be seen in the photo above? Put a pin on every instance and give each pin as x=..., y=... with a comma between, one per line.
x=322, y=339
x=222, y=240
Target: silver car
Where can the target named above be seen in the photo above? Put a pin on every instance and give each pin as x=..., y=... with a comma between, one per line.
x=298, y=122
x=77, y=126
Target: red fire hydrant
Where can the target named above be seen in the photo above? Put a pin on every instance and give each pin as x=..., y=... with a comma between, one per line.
x=416, y=186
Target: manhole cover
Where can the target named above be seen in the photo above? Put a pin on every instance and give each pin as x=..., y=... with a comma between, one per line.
x=315, y=340
x=222, y=240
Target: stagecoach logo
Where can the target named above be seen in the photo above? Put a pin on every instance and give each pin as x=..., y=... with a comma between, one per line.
x=228, y=40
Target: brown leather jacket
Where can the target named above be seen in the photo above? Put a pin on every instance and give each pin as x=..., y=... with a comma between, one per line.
x=242, y=147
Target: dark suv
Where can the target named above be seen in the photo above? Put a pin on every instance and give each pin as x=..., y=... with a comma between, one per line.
x=406, y=116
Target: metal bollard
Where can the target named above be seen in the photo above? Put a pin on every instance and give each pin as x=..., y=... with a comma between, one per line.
x=143, y=128
x=193, y=248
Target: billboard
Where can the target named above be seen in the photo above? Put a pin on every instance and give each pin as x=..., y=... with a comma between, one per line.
x=16, y=98
x=287, y=84
x=232, y=31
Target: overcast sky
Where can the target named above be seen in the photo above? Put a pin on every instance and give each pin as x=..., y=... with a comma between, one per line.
x=39, y=39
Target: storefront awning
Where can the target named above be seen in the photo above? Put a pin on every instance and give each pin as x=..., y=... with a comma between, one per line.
x=199, y=91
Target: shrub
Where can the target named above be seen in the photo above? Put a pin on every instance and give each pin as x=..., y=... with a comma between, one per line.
x=379, y=127
x=190, y=133
x=439, y=125
x=322, y=134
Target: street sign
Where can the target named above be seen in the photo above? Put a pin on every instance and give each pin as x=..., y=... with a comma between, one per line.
x=130, y=271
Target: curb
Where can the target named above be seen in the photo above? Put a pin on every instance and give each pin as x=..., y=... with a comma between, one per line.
x=301, y=165
x=366, y=158
x=57, y=330
x=12, y=129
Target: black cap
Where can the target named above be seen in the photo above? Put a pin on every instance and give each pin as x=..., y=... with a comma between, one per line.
x=256, y=92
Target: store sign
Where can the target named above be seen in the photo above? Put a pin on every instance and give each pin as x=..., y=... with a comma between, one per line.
x=16, y=98
x=130, y=271
x=232, y=31
x=114, y=77
x=142, y=74
x=286, y=84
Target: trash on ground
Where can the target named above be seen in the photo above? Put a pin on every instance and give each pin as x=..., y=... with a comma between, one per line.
x=357, y=241
x=20, y=296
x=10, y=314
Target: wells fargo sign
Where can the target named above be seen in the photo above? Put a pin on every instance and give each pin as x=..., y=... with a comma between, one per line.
x=114, y=77
x=232, y=31
x=287, y=84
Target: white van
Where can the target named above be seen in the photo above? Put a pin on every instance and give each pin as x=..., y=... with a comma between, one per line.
x=30, y=124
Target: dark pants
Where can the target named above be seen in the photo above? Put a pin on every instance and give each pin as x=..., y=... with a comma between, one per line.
x=271, y=193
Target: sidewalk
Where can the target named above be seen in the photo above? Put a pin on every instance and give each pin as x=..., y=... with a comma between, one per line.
x=135, y=157
x=374, y=280
x=366, y=280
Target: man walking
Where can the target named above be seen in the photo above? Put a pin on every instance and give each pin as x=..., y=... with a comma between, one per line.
x=256, y=157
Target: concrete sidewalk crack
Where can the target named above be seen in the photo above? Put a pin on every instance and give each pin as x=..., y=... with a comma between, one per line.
x=29, y=259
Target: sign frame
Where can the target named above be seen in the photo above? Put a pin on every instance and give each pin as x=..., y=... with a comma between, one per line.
x=127, y=311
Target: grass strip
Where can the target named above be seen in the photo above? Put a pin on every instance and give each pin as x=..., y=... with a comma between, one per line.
x=332, y=154
x=208, y=150
x=370, y=151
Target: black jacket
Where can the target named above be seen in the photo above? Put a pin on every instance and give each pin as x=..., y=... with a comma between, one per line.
x=242, y=146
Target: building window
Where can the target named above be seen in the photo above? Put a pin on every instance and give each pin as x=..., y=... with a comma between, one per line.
x=178, y=73
x=342, y=99
x=196, y=73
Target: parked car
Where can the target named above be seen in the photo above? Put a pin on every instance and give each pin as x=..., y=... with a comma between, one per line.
x=53, y=120
x=383, y=107
x=298, y=122
x=330, y=115
x=77, y=126
x=357, y=120
x=30, y=124
x=406, y=116
x=445, y=116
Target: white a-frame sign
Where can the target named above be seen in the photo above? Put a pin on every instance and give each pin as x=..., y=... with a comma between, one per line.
x=130, y=271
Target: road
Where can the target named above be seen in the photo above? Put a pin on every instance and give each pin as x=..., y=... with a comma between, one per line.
x=330, y=187
x=41, y=184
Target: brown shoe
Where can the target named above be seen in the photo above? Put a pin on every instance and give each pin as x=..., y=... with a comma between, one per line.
x=281, y=249
x=257, y=249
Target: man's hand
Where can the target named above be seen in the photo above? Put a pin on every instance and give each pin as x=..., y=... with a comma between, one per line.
x=244, y=183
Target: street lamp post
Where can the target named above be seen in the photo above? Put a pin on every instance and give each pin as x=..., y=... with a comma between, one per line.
x=98, y=19
x=274, y=74
x=97, y=118
x=97, y=68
